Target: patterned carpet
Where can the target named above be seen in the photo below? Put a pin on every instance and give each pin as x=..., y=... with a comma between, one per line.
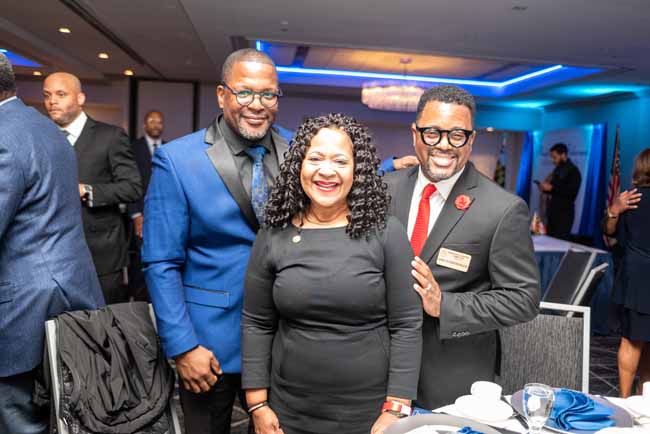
x=603, y=378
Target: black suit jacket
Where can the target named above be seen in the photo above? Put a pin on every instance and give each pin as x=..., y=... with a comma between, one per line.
x=499, y=289
x=105, y=161
x=143, y=160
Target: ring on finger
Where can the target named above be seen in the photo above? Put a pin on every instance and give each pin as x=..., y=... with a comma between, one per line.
x=428, y=288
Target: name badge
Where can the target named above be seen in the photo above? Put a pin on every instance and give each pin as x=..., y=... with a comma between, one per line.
x=454, y=260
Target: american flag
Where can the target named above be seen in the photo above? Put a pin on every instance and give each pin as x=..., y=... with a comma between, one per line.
x=615, y=175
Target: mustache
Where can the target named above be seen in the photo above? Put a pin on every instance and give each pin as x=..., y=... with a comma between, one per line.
x=435, y=152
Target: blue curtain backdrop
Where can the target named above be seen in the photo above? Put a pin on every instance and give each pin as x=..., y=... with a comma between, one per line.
x=525, y=168
x=595, y=187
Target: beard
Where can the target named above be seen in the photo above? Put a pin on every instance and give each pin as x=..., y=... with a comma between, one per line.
x=435, y=173
x=252, y=135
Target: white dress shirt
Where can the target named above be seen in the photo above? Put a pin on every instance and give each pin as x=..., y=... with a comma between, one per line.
x=75, y=128
x=152, y=143
x=4, y=101
x=436, y=201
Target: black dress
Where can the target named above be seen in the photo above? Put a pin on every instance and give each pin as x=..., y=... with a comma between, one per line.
x=631, y=290
x=332, y=325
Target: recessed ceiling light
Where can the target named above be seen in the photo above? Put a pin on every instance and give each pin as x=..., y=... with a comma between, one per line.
x=37, y=73
x=64, y=30
x=128, y=72
x=103, y=55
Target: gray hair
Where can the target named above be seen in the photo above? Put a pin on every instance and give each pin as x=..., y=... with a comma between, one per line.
x=7, y=78
x=447, y=94
x=243, y=55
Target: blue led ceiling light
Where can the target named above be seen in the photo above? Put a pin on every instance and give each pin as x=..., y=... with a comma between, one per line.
x=18, y=60
x=482, y=88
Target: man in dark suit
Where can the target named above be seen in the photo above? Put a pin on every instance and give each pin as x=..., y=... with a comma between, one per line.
x=108, y=176
x=202, y=211
x=45, y=265
x=474, y=268
x=563, y=189
x=143, y=149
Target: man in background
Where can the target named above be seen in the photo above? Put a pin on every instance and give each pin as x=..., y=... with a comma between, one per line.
x=108, y=176
x=563, y=189
x=474, y=269
x=45, y=265
x=143, y=149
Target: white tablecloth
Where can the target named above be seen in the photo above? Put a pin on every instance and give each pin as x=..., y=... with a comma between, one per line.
x=514, y=425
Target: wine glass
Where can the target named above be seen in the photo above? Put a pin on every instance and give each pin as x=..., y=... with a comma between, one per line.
x=537, y=403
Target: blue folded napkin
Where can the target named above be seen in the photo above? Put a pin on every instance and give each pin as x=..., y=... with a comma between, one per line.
x=468, y=430
x=575, y=410
x=418, y=410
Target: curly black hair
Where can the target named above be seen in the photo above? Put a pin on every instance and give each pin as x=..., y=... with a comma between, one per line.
x=368, y=200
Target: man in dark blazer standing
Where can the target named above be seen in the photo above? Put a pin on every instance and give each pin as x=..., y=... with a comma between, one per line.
x=108, y=176
x=474, y=269
x=563, y=188
x=143, y=149
x=202, y=212
x=45, y=265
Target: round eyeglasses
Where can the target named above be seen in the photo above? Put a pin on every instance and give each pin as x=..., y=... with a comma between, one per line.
x=246, y=97
x=456, y=137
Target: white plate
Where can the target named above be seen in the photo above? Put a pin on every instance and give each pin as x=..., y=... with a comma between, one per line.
x=639, y=404
x=484, y=411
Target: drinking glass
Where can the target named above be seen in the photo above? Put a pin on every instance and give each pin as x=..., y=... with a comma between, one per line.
x=537, y=403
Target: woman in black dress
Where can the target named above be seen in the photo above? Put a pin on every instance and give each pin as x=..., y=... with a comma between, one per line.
x=331, y=327
x=628, y=220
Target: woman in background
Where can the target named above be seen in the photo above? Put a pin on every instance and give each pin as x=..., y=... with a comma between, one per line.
x=628, y=220
x=331, y=327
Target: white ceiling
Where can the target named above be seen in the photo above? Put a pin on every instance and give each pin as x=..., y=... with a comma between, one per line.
x=189, y=39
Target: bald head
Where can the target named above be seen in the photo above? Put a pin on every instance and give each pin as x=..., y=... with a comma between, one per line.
x=63, y=97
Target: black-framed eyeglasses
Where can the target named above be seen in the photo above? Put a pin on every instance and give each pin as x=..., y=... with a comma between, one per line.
x=456, y=137
x=246, y=97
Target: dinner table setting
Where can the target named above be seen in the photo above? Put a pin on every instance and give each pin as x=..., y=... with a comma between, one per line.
x=535, y=409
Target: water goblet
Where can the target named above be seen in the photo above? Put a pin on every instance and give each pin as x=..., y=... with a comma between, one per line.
x=537, y=404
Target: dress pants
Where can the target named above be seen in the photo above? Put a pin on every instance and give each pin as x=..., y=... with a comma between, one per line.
x=18, y=415
x=113, y=287
x=210, y=412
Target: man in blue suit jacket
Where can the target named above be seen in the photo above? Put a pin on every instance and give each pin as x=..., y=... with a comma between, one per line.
x=45, y=264
x=201, y=219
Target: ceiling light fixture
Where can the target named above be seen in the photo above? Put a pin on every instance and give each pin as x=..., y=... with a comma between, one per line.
x=391, y=95
x=37, y=73
x=103, y=55
x=489, y=129
x=64, y=30
x=128, y=72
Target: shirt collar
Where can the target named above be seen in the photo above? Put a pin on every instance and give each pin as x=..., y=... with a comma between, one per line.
x=4, y=101
x=443, y=187
x=237, y=143
x=151, y=141
x=75, y=127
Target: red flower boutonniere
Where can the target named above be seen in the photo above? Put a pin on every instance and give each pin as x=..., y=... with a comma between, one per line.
x=463, y=202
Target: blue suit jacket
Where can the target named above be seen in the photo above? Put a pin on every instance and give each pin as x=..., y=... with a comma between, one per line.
x=45, y=265
x=198, y=233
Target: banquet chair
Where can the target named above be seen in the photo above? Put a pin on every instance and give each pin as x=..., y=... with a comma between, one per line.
x=588, y=288
x=569, y=277
x=51, y=342
x=550, y=349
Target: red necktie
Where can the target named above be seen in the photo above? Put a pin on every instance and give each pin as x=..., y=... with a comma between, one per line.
x=421, y=228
